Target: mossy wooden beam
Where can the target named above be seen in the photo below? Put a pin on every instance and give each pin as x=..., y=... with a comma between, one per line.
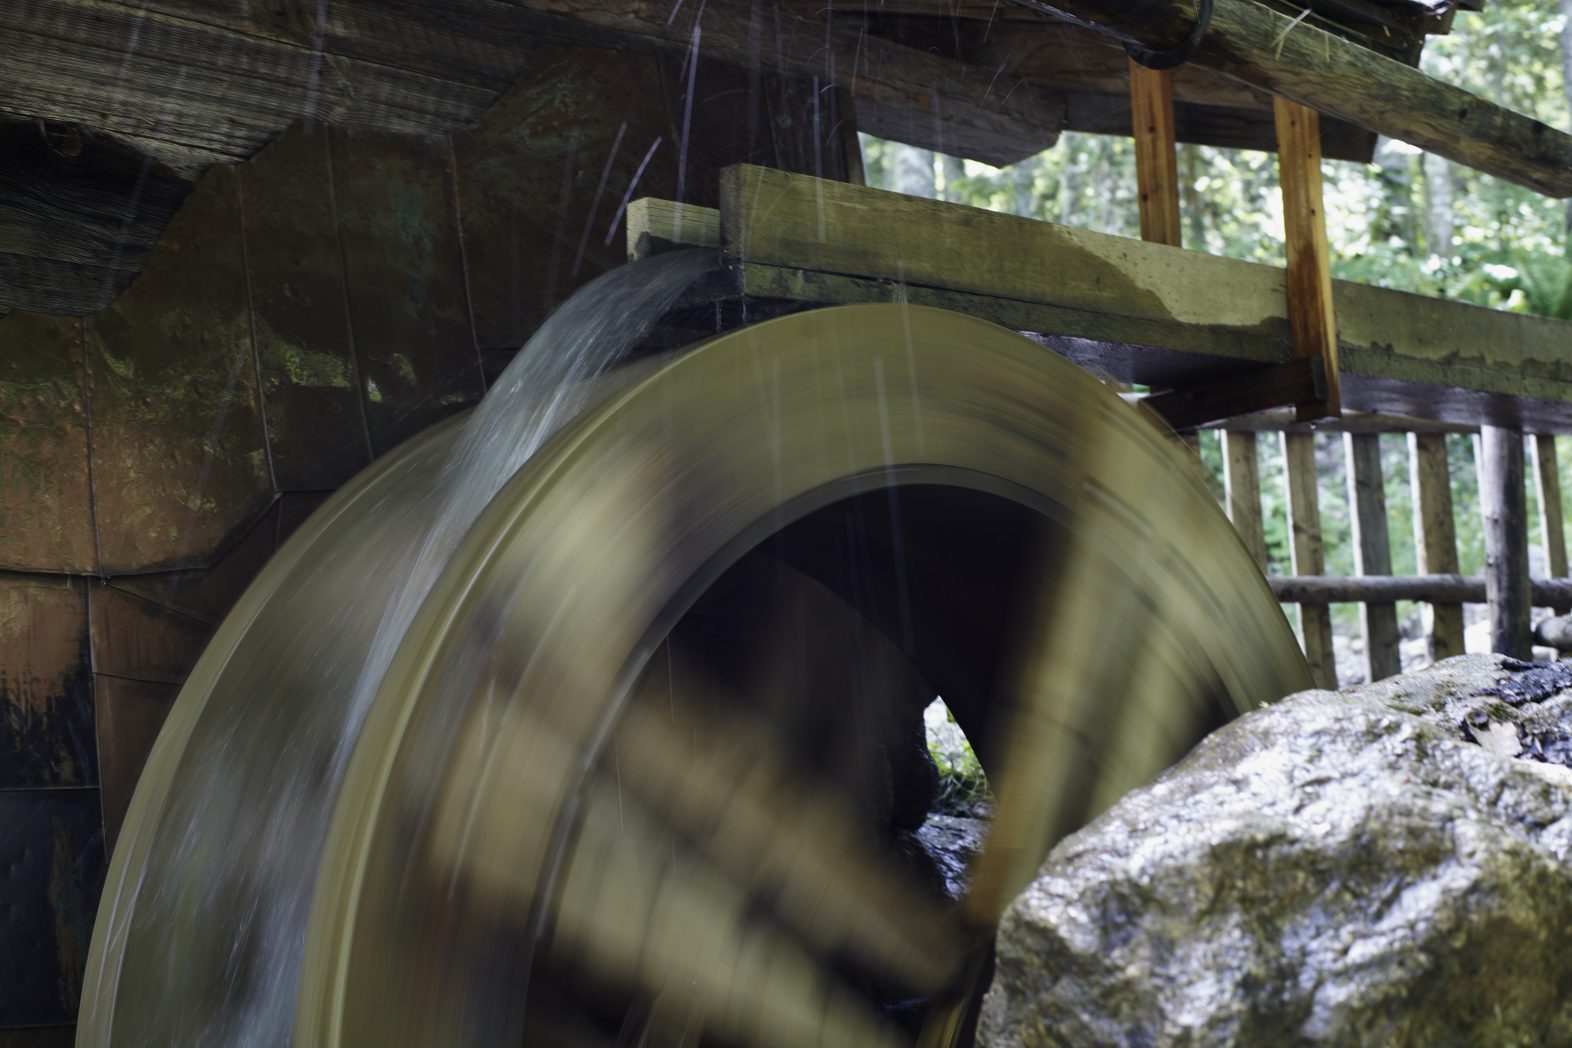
x=1316, y=69
x=1139, y=312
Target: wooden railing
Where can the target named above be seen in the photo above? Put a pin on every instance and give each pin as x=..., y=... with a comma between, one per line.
x=1505, y=587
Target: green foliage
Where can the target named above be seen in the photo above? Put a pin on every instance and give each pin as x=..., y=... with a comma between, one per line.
x=963, y=788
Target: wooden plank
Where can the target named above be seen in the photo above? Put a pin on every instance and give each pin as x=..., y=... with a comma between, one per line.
x=541, y=179
x=1311, y=314
x=130, y=714
x=1400, y=353
x=900, y=93
x=1297, y=381
x=46, y=697
x=179, y=451
x=1372, y=551
x=1435, y=535
x=1307, y=556
x=1547, y=479
x=46, y=504
x=661, y=225
x=1350, y=422
x=1242, y=481
x=316, y=424
x=408, y=304
x=122, y=70
x=1156, y=165
x=1306, y=65
x=139, y=639
x=1505, y=504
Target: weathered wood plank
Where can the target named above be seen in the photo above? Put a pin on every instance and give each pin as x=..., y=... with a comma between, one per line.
x=46, y=504
x=46, y=697
x=1349, y=422
x=1306, y=65
x=1311, y=313
x=138, y=639
x=403, y=264
x=1307, y=555
x=1399, y=353
x=1505, y=504
x=898, y=92
x=179, y=451
x=1156, y=165
x=542, y=176
x=1372, y=551
x=122, y=70
x=316, y=424
x=1552, y=525
x=130, y=713
x=1435, y=535
x=661, y=225
x=1242, y=480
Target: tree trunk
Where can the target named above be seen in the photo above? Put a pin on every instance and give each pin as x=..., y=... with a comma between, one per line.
x=914, y=172
x=954, y=170
x=1439, y=223
x=1566, y=76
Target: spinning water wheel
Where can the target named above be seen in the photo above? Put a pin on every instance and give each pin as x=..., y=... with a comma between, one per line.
x=629, y=771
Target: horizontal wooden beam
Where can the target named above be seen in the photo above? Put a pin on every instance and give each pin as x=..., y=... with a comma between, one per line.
x=1316, y=69
x=1137, y=312
x=1384, y=589
x=1352, y=422
x=1298, y=381
x=898, y=92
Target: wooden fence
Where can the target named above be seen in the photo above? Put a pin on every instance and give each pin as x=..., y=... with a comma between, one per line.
x=1505, y=587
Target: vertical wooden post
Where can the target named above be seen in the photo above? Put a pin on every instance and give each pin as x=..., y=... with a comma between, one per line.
x=1304, y=518
x=1551, y=524
x=1506, y=540
x=1310, y=314
x=1242, y=482
x=1435, y=535
x=1372, y=550
x=1156, y=164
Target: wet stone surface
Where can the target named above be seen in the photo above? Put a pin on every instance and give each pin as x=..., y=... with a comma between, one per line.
x=1384, y=865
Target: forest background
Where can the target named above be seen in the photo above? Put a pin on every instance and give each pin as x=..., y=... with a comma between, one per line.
x=1407, y=220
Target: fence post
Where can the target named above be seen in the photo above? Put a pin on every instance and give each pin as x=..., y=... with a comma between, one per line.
x=1372, y=551
x=1435, y=535
x=1506, y=540
x=1304, y=518
x=1548, y=478
x=1242, y=482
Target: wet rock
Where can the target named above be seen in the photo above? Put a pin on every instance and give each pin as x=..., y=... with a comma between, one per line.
x=1382, y=866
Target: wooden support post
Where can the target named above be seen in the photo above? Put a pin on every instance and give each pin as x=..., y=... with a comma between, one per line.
x=1372, y=551
x=1242, y=481
x=1156, y=165
x=1435, y=535
x=1506, y=540
x=1551, y=524
x=1282, y=54
x=1310, y=314
x=1304, y=519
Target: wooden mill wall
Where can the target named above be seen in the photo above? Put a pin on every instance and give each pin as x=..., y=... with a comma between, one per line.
x=304, y=312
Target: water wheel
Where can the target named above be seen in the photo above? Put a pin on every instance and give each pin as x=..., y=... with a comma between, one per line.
x=607, y=737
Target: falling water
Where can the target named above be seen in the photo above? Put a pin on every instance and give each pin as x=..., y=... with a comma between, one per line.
x=209, y=898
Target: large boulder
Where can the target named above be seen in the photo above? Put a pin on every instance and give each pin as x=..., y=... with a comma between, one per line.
x=1382, y=866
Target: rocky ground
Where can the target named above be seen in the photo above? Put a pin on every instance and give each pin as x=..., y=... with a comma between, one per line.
x=1386, y=865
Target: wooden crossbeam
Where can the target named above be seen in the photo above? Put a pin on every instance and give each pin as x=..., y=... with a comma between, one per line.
x=1316, y=69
